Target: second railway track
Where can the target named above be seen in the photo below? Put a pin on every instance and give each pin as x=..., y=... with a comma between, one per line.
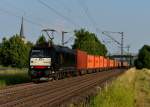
x=51, y=93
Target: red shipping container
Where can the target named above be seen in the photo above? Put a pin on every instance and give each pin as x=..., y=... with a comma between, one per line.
x=81, y=60
x=101, y=62
x=105, y=63
x=119, y=63
x=125, y=64
x=96, y=61
x=90, y=61
x=108, y=62
x=113, y=63
x=116, y=65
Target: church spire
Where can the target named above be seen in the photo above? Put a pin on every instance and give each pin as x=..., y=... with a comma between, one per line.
x=22, y=29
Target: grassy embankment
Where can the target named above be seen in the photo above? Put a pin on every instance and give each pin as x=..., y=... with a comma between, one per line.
x=13, y=76
x=142, y=88
x=119, y=94
x=132, y=89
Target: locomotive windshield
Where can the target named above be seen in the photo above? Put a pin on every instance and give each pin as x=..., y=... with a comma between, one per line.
x=42, y=53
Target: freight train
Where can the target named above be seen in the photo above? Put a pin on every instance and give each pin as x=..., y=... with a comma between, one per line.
x=57, y=62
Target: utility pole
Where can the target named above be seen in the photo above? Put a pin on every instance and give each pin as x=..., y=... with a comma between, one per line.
x=62, y=40
x=122, y=45
x=129, y=55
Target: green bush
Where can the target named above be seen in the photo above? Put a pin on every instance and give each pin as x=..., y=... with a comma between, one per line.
x=14, y=52
x=10, y=77
x=143, y=60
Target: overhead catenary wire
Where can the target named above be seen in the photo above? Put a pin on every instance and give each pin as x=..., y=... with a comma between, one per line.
x=66, y=7
x=18, y=16
x=88, y=14
x=22, y=12
x=13, y=6
x=57, y=12
x=90, y=18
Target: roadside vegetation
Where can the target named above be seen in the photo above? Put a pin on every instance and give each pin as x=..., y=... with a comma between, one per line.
x=14, y=76
x=142, y=88
x=14, y=52
x=119, y=94
x=132, y=89
x=143, y=60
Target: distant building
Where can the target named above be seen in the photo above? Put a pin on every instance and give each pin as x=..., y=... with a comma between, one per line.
x=22, y=31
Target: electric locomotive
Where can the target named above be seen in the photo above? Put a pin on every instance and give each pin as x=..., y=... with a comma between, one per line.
x=51, y=62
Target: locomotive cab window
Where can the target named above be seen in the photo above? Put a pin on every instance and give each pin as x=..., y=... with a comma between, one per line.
x=42, y=53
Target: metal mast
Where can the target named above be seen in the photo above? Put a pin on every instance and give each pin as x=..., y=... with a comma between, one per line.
x=50, y=34
x=121, y=44
x=62, y=41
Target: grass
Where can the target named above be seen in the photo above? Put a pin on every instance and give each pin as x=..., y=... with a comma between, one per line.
x=10, y=77
x=1, y=66
x=142, y=88
x=119, y=94
x=132, y=89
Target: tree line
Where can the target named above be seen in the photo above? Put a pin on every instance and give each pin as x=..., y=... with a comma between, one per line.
x=15, y=52
x=143, y=60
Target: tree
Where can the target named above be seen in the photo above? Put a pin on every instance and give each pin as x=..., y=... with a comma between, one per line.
x=14, y=52
x=41, y=40
x=143, y=60
x=88, y=42
x=138, y=64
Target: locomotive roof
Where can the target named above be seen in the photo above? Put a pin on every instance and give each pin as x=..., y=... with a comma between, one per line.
x=57, y=48
x=64, y=49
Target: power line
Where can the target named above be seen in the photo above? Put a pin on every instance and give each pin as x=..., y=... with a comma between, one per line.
x=65, y=6
x=86, y=11
x=56, y=12
x=22, y=11
x=18, y=16
x=13, y=6
x=91, y=19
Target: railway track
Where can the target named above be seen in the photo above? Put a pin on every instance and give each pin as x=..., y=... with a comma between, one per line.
x=51, y=93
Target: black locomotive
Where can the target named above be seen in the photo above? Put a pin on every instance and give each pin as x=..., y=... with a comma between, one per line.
x=54, y=62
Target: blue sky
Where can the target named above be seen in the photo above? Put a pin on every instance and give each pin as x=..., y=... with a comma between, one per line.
x=128, y=16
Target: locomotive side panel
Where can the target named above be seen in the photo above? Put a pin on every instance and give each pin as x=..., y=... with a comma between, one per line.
x=64, y=57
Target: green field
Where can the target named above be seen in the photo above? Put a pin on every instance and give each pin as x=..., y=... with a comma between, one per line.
x=14, y=76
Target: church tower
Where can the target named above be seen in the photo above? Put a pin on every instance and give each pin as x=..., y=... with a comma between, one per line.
x=22, y=31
